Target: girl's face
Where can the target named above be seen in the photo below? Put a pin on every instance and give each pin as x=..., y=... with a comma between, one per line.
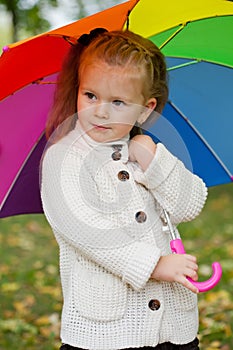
x=110, y=101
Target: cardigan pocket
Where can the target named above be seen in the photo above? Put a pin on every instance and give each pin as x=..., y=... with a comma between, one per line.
x=185, y=299
x=179, y=297
x=99, y=295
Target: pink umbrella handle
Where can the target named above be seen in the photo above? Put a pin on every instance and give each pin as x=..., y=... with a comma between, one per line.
x=178, y=248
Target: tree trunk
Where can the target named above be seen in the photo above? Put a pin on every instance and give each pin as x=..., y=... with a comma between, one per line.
x=14, y=18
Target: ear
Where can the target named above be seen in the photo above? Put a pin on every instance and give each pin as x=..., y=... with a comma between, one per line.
x=147, y=110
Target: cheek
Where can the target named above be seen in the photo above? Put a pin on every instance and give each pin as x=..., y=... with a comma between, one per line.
x=132, y=117
x=124, y=129
x=79, y=103
x=83, y=115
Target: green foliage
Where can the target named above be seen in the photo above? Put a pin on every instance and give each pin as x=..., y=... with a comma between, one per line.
x=30, y=293
x=210, y=238
x=30, y=18
x=27, y=17
x=30, y=286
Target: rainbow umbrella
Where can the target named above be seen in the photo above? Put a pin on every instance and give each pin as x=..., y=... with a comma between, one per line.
x=196, y=125
x=196, y=38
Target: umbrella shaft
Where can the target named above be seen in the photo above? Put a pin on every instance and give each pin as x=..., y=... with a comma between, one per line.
x=169, y=225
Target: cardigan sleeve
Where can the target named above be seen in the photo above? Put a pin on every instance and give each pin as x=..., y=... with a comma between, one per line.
x=84, y=228
x=175, y=188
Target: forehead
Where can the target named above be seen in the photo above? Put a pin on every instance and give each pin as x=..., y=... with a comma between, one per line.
x=91, y=67
x=117, y=81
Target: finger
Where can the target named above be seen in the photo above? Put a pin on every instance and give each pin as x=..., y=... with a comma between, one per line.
x=192, y=266
x=191, y=258
x=195, y=277
x=186, y=283
x=192, y=274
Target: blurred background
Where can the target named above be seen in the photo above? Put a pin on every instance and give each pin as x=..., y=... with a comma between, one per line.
x=20, y=19
x=30, y=290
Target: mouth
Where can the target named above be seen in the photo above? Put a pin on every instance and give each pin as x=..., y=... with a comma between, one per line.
x=100, y=127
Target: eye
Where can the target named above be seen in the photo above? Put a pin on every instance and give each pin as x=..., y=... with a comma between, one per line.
x=118, y=103
x=90, y=96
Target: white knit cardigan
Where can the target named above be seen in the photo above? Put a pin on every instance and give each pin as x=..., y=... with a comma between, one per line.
x=106, y=216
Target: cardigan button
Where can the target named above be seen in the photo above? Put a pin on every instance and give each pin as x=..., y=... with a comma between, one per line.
x=116, y=155
x=123, y=175
x=140, y=217
x=154, y=304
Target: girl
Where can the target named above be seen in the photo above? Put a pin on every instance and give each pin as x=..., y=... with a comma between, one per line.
x=104, y=187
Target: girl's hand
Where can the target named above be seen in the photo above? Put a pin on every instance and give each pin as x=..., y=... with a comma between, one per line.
x=175, y=268
x=142, y=150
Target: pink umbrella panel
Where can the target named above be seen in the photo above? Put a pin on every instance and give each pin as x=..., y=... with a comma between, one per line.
x=21, y=181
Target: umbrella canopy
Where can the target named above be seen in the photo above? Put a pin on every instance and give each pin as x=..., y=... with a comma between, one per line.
x=196, y=38
x=196, y=122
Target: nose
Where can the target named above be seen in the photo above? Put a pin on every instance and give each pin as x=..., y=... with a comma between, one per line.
x=102, y=110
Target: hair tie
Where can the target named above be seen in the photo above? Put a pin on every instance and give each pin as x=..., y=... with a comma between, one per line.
x=85, y=39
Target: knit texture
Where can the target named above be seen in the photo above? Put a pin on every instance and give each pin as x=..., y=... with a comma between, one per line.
x=109, y=229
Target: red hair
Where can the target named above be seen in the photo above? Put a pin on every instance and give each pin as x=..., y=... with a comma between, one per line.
x=121, y=48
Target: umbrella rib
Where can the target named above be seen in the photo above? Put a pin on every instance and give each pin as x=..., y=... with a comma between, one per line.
x=196, y=60
x=41, y=82
x=202, y=139
x=172, y=36
x=19, y=172
x=46, y=82
x=183, y=65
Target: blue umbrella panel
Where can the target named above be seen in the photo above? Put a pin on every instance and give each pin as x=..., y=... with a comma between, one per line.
x=197, y=121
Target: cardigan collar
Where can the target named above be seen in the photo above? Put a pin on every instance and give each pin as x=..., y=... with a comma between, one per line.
x=114, y=150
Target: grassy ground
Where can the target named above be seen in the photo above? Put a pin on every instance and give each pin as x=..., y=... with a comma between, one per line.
x=30, y=288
